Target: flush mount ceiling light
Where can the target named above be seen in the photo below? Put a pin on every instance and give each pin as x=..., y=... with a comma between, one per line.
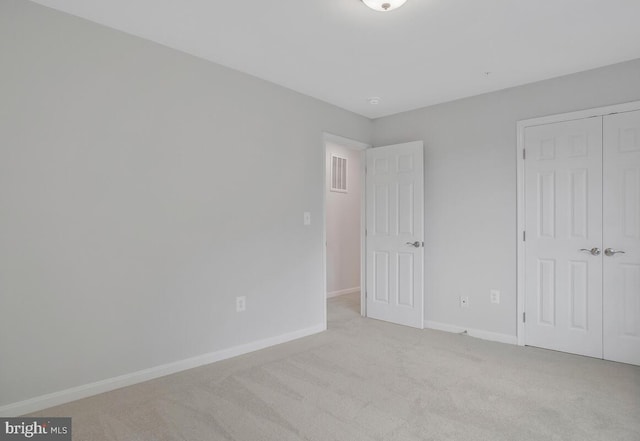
x=384, y=5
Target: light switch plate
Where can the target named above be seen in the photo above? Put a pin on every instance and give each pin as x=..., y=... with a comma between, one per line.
x=307, y=218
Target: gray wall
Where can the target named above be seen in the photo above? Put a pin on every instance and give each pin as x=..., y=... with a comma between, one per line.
x=470, y=186
x=343, y=224
x=141, y=191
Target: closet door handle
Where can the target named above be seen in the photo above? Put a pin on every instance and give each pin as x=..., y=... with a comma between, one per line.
x=610, y=252
x=593, y=251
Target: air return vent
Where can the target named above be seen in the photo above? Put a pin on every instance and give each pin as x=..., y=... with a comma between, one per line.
x=338, y=173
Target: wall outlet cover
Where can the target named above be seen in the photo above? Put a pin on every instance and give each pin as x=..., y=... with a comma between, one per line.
x=241, y=303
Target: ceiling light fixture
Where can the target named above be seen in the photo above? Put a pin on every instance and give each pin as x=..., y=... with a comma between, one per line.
x=384, y=5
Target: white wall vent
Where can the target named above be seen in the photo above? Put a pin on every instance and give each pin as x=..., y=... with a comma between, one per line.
x=338, y=173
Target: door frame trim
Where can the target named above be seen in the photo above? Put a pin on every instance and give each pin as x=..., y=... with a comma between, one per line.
x=361, y=147
x=520, y=196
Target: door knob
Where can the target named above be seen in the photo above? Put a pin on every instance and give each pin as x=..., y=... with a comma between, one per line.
x=593, y=251
x=610, y=252
x=414, y=244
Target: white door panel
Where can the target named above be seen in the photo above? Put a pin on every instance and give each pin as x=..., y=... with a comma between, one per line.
x=394, y=218
x=582, y=192
x=622, y=232
x=563, y=287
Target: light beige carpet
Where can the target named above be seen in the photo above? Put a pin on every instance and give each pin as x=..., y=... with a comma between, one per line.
x=369, y=380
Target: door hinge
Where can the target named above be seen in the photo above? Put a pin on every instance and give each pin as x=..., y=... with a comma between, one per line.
x=524, y=236
x=524, y=154
x=524, y=317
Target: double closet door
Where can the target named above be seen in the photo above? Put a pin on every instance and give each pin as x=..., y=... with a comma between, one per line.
x=582, y=244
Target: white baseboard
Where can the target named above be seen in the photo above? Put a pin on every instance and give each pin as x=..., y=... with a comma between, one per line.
x=478, y=333
x=87, y=390
x=343, y=292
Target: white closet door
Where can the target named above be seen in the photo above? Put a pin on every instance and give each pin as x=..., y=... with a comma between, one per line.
x=622, y=237
x=563, y=200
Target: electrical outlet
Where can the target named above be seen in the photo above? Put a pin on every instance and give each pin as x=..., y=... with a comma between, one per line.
x=241, y=303
x=464, y=301
x=495, y=296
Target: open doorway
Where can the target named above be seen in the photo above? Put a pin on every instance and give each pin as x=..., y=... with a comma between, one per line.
x=344, y=220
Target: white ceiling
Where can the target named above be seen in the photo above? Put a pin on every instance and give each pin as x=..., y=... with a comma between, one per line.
x=427, y=52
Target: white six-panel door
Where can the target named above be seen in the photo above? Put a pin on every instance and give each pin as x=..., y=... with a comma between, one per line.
x=394, y=233
x=621, y=242
x=563, y=222
x=582, y=247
